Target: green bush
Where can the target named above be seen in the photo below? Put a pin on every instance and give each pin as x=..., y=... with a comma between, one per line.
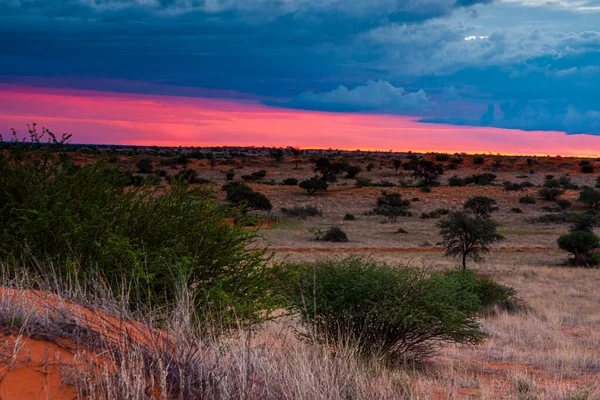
x=302, y=212
x=550, y=193
x=352, y=171
x=399, y=313
x=587, y=169
x=334, y=234
x=290, y=182
x=581, y=245
x=144, y=166
x=349, y=217
x=527, y=200
x=229, y=175
x=242, y=196
x=478, y=160
x=391, y=205
x=314, y=185
x=442, y=157
x=563, y=204
x=88, y=222
x=516, y=210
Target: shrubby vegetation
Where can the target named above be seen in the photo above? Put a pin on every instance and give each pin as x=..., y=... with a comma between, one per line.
x=314, y=185
x=398, y=313
x=88, y=221
x=581, y=245
x=302, y=212
x=392, y=206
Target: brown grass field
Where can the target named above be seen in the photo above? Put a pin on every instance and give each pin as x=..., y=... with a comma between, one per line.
x=551, y=351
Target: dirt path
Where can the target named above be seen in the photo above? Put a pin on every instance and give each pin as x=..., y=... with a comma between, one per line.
x=400, y=250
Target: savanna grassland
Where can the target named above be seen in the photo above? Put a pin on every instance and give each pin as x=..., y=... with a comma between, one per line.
x=541, y=343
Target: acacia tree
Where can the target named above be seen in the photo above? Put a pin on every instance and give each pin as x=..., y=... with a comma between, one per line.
x=590, y=197
x=465, y=236
x=581, y=245
x=426, y=170
x=481, y=206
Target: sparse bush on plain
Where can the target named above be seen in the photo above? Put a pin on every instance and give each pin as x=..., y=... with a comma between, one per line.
x=467, y=237
x=481, y=206
x=241, y=195
x=144, y=166
x=314, y=185
x=290, y=182
x=302, y=212
x=398, y=313
x=478, y=160
x=349, y=217
x=392, y=206
x=333, y=234
x=581, y=245
x=590, y=197
x=550, y=193
x=527, y=200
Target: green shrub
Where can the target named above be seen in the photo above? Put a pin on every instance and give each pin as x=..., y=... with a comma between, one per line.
x=349, y=217
x=352, y=171
x=563, y=204
x=391, y=205
x=457, y=160
x=290, y=182
x=334, y=234
x=550, y=193
x=242, y=196
x=437, y=213
x=456, y=181
x=516, y=210
x=87, y=222
x=442, y=157
x=478, y=160
x=527, y=200
x=229, y=175
x=302, y=212
x=314, y=185
x=362, y=182
x=399, y=313
x=581, y=245
x=481, y=206
x=590, y=197
x=587, y=169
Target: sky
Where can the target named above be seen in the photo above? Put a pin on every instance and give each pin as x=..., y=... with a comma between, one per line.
x=499, y=76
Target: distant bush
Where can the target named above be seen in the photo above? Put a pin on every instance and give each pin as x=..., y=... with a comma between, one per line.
x=229, y=175
x=590, y=197
x=527, y=200
x=435, y=213
x=349, y=217
x=401, y=230
x=188, y=175
x=333, y=234
x=352, y=171
x=241, y=195
x=456, y=160
x=255, y=176
x=563, y=204
x=566, y=183
x=290, y=182
x=511, y=186
x=456, y=181
x=587, y=169
x=398, y=313
x=581, y=245
x=392, y=206
x=144, y=166
x=362, y=182
x=516, y=210
x=302, y=212
x=550, y=193
x=478, y=160
x=481, y=179
x=442, y=157
x=314, y=185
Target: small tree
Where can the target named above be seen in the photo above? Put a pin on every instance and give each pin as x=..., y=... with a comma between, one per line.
x=466, y=236
x=229, y=175
x=397, y=164
x=590, y=197
x=426, y=170
x=580, y=244
x=481, y=206
x=314, y=185
x=323, y=166
x=276, y=154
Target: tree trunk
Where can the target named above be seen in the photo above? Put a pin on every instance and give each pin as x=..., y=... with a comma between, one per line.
x=464, y=260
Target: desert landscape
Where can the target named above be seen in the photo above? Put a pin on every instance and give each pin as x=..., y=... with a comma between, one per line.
x=76, y=332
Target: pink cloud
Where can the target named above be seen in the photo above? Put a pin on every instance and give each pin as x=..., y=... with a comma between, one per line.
x=121, y=118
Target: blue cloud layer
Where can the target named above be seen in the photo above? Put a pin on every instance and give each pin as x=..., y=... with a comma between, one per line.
x=531, y=65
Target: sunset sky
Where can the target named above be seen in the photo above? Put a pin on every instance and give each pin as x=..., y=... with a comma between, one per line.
x=504, y=76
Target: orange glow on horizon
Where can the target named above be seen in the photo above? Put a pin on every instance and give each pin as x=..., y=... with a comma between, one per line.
x=137, y=119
